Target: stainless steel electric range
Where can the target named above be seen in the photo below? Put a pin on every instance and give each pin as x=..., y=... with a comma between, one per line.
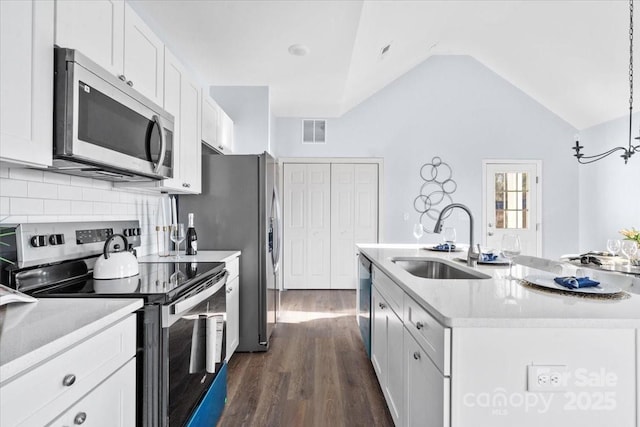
x=181, y=327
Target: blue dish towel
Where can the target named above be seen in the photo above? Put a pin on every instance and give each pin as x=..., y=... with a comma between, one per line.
x=445, y=247
x=488, y=257
x=573, y=282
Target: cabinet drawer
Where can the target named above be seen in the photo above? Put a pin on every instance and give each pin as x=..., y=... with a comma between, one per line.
x=112, y=403
x=82, y=367
x=434, y=338
x=390, y=290
x=233, y=267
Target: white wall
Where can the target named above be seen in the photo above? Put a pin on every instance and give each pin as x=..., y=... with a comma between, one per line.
x=248, y=107
x=29, y=196
x=455, y=108
x=609, y=189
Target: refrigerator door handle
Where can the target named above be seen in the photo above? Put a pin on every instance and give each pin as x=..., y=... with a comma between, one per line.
x=275, y=254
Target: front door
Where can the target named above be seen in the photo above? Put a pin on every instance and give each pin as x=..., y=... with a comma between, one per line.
x=511, y=204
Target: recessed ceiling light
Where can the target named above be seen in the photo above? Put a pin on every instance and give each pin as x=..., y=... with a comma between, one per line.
x=298, y=50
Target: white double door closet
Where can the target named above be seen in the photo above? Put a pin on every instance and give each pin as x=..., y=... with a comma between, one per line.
x=328, y=208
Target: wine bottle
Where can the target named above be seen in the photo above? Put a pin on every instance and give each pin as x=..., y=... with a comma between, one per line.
x=192, y=238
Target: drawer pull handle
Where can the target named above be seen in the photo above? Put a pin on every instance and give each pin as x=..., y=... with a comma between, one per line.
x=68, y=380
x=419, y=325
x=416, y=355
x=382, y=305
x=80, y=418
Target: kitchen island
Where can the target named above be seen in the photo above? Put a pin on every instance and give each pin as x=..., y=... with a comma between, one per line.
x=496, y=352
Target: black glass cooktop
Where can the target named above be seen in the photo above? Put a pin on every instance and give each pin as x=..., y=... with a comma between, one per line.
x=157, y=282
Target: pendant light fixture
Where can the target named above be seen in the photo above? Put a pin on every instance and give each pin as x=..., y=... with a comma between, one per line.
x=627, y=152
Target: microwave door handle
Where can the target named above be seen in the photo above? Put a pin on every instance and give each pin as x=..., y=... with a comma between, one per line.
x=163, y=142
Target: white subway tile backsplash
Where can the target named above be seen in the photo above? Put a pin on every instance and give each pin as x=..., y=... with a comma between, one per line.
x=80, y=181
x=26, y=174
x=4, y=171
x=13, y=188
x=101, y=208
x=13, y=219
x=56, y=178
x=39, y=190
x=42, y=218
x=66, y=192
x=82, y=208
x=23, y=206
x=57, y=207
x=5, y=206
x=97, y=183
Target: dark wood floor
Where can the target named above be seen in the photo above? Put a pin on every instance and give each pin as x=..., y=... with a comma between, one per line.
x=316, y=372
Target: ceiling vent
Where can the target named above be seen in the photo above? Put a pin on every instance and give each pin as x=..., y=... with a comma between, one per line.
x=314, y=131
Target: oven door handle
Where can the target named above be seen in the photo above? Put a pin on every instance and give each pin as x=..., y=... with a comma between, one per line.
x=180, y=307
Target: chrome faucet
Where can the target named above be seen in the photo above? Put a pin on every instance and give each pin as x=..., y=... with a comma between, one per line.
x=472, y=255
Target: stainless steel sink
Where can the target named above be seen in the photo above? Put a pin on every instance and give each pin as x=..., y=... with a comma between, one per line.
x=432, y=268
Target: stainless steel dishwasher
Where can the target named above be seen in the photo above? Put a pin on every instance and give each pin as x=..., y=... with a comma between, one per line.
x=364, y=301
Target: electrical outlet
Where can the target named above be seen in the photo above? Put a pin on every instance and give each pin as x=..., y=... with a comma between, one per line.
x=549, y=378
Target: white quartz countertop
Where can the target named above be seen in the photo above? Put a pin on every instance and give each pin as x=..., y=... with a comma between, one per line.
x=31, y=333
x=500, y=302
x=201, y=256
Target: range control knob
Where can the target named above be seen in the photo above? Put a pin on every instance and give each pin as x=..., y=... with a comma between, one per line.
x=56, y=239
x=138, y=232
x=38, y=241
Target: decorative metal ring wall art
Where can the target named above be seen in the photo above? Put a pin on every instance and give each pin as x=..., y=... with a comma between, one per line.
x=435, y=191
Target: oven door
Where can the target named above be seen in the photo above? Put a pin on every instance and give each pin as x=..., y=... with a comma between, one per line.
x=195, y=327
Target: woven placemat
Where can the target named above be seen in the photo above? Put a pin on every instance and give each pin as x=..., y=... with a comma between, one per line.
x=617, y=296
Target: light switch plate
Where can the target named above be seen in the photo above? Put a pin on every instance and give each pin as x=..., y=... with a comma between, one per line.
x=547, y=378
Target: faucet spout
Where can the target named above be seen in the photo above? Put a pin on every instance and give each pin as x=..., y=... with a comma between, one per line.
x=472, y=256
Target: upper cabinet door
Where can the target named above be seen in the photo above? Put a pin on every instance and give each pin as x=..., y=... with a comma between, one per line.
x=210, y=120
x=143, y=57
x=190, y=142
x=95, y=28
x=26, y=82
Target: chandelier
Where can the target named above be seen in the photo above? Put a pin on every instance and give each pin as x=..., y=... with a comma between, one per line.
x=628, y=151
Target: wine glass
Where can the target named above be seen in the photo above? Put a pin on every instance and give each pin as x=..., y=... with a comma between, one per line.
x=613, y=246
x=629, y=249
x=510, y=249
x=177, y=236
x=449, y=236
x=418, y=232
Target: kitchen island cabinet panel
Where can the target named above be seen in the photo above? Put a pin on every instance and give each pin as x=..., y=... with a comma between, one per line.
x=387, y=353
x=594, y=370
x=26, y=82
x=426, y=389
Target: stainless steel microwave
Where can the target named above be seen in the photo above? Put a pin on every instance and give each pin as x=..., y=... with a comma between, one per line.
x=103, y=128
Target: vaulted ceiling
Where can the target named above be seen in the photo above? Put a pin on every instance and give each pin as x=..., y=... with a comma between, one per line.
x=569, y=55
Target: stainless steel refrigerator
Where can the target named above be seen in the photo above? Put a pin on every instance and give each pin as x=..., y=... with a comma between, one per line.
x=239, y=208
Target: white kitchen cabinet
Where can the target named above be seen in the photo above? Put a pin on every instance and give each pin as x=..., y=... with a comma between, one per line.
x=110, y=404
x=112, y=34
x=307, y=226
x=72, y=376
x=354, y=218
x=217, y=126
x=143, y=57
x=182, y=100
x=95, y=28
x=387, y=353
x=233, y=307
x=26, y=82
x=426, y=389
